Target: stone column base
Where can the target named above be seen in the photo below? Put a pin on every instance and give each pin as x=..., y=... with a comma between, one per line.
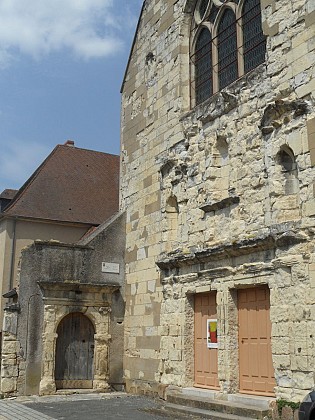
x=101, y=386
x=47, y=387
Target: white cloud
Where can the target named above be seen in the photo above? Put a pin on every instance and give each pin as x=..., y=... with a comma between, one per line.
x=88, y=28
x=18, y=160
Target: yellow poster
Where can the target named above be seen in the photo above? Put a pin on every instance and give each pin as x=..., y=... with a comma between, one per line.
x=212, y=336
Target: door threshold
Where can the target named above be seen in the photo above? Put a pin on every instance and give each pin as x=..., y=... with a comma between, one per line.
x=78, y=391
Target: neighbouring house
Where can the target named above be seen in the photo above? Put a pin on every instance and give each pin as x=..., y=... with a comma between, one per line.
x=6, y=197
x=73, y=191
x=62, y=259
x=217, y=150
x=65, y=330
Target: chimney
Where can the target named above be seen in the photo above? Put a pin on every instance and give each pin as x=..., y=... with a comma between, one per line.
x=69, y=143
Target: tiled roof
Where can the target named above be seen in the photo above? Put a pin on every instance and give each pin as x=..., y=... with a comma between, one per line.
x=8, y=194
x=73, y=185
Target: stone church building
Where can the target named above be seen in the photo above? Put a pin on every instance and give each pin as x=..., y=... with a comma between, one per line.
x=217, y=201
x=218, y=154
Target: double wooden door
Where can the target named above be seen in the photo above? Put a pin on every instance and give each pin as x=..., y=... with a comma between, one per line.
x=74, y=352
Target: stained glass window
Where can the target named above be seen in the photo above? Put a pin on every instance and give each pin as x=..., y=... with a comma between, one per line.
x=219, y=47
x=227, y=49
x=203, y=66
x=213, y=13
x=254, y=41
x=203, y=7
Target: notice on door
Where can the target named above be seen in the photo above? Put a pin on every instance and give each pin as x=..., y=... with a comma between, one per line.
x=212, y=337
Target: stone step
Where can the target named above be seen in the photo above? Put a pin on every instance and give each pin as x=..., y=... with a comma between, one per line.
x=228, y=408
x=198, y=412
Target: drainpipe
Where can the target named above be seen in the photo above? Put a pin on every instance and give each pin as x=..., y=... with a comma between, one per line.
x=12, y=263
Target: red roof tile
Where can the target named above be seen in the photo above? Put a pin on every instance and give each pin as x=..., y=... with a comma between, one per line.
x=73, y=185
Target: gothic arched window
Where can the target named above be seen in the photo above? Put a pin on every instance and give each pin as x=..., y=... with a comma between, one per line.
x=203, y=71
x=226, y=44
x=254, y=41
x=227, y=49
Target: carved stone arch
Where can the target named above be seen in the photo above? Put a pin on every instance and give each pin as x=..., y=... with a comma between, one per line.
x=171, y=204
x=189, y=6
x=198, y=18
x=93, y=301
x=193, y=41
x=61, y=315
x=285, y=195
x=228, y=5
x=286, y=158
x=239, y=9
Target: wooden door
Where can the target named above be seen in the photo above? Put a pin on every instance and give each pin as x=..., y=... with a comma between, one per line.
x=255, y=359
x=74, y=352
x=206, y=359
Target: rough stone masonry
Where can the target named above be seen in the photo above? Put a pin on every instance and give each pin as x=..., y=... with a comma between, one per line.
x=219, y=197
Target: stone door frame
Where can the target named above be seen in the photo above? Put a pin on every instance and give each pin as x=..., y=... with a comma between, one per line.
x=93, y=301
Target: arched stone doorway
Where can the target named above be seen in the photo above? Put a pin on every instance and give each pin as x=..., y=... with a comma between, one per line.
x=74, y=352
x=91, y=302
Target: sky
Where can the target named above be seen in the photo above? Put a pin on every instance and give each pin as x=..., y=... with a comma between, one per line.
x=62, y=63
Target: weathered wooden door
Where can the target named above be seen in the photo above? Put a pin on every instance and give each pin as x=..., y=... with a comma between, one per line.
x=74, y=352
x=255, y=359
x=206, y=359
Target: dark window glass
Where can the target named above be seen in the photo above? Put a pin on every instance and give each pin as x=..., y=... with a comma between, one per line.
x=202, y=8
x=227, y=49
x=203, y=68
x=213, y=13
x=254, y=41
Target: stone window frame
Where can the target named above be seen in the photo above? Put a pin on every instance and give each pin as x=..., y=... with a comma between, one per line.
x=200, y=23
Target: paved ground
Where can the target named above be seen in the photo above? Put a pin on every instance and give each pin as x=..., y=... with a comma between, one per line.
x=87, y=407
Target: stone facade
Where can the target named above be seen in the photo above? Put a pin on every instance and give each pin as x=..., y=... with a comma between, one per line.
x=56, y=280
x=218, y=197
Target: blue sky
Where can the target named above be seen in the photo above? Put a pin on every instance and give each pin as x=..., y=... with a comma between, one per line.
x=61, y=67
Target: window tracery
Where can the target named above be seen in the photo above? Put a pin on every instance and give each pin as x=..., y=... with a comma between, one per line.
x=227, y=42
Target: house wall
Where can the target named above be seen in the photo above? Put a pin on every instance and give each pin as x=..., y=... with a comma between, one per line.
x=6, y=235
x=171, y=154
x=17, y=234
x=50, y=274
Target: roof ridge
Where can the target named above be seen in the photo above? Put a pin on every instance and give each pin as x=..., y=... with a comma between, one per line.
x=89, y=150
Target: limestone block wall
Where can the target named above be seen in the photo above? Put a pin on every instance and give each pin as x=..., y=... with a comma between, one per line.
x=12, y=357
x=151, y=102
x=239, y=167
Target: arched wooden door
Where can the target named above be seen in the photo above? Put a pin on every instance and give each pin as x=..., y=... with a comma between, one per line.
x=74, y=352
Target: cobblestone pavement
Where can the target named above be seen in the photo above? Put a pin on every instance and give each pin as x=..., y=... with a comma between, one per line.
x=10, y=410
x=87, y=407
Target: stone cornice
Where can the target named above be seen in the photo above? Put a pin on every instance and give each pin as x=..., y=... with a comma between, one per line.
x=79, y=287
x=228, y=250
